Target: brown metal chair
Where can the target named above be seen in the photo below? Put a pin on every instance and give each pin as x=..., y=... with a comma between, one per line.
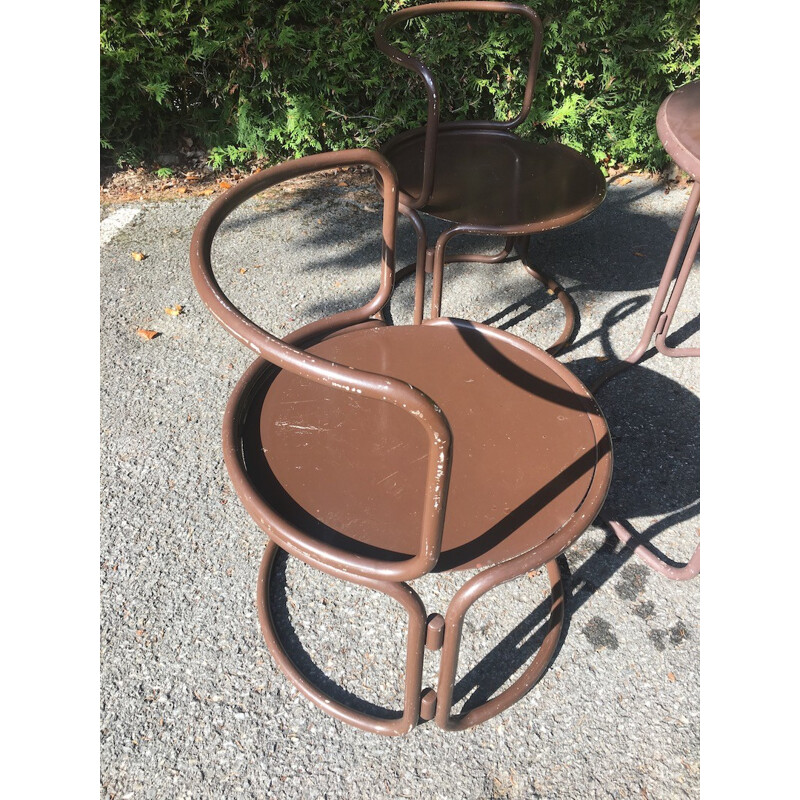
x=678, y=126
x=380, y=453
x=481, y=176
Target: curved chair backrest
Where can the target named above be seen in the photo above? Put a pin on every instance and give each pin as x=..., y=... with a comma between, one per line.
x=287, y=355
x=415, y=65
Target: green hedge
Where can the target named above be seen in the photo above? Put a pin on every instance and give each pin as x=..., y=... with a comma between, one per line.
x=282, y=79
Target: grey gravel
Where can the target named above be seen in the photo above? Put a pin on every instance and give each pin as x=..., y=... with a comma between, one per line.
x=192, y=705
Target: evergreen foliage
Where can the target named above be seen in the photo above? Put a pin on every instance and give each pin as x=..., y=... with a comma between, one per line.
x=284, y=79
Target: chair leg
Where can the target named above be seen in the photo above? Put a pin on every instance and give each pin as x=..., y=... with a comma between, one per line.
x=417, y=630
x=660, y=318
x=657, y=325
x=424, y=265
x=643, y=552
x=454, y=620
x=522, y=244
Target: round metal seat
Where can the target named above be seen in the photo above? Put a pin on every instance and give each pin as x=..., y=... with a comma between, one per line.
x=530, y=448
x=493, y=178
x=678, y=126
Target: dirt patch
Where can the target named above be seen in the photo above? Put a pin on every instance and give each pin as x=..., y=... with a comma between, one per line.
x=192, y=177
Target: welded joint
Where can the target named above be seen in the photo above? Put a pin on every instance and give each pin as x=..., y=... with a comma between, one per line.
x=427, y=704
x=434, y=634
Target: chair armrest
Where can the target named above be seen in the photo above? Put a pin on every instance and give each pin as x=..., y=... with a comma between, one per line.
x=338, y=376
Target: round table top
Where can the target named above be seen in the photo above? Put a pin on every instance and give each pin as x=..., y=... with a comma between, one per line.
x=678, y=126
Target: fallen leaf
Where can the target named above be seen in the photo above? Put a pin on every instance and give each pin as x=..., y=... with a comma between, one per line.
x=257, y=266
x=624, y=181
x=225, y=185
x=671, y=676
x=206, y=192
x=637, y=253
x=145, y=334
x=601, y=358
x=182, y=190
x=173, y=311
x=242, y=271
x=341, y=183
x=138, y=256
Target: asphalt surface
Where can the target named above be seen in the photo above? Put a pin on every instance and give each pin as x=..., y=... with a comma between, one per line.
x=192, y=704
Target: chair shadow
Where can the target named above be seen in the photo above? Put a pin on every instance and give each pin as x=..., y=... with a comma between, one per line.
x=279, y=594
x=616, y=248
x=656, y=445
x=640, y=488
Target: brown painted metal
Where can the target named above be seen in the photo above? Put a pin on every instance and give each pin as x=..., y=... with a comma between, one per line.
x=415, y=648
x=492, y=178
x=435, y=635
x=379, y=453
x=302, y=447
x=482, y=177
x=678, y=126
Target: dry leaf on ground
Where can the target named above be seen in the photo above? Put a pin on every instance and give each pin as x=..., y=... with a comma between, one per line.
x=136, y=256
x=173, y=311
x=624, y=181
x=671, y=676
x=146, y=334
x=225, y=185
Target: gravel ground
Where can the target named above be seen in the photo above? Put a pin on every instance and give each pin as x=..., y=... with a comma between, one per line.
x=192, y=704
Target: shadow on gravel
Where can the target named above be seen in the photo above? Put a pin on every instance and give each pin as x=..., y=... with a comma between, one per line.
x=279, y=598
x=614, y=249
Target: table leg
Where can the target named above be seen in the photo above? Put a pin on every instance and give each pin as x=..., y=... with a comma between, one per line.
x=658, y=323
x=629, y=538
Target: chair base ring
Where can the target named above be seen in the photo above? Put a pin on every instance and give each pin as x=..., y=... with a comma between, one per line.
x=411, y=714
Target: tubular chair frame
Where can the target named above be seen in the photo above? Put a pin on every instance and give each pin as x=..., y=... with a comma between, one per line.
x=432, y=632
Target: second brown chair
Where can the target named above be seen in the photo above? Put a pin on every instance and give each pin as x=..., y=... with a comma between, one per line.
x=480, y=176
